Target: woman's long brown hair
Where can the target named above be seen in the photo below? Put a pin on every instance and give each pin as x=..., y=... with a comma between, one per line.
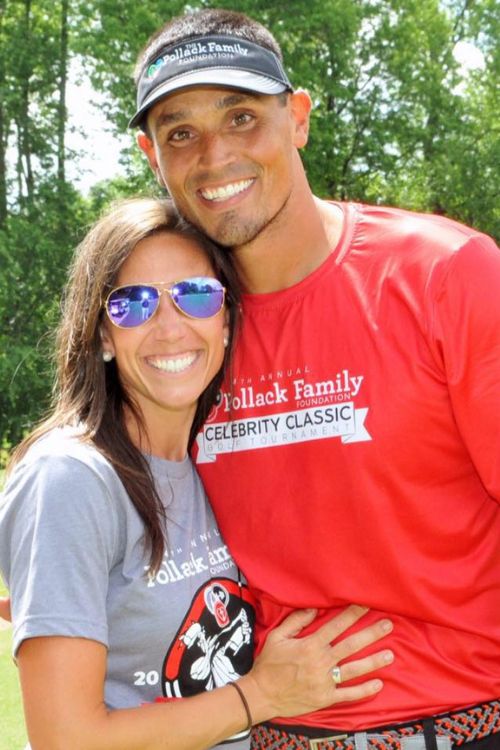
x=87, y=391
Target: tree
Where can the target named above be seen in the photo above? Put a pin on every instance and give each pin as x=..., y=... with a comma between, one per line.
x=42, y=218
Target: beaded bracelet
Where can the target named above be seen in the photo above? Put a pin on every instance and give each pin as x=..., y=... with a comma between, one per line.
x=245, y=704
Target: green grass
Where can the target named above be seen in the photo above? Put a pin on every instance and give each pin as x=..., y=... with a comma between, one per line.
x=12, y=731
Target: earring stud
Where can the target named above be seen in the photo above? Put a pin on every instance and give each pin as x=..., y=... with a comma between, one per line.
x=107, y=356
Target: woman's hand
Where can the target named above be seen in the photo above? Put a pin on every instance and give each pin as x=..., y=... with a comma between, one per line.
x=292, y=676
x=63, y=679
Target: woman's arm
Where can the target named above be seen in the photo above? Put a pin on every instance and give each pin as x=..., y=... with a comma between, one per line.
x=5, y=608
x=62, y=682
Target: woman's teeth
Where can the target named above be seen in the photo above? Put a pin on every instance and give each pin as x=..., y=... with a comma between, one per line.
x=173, y=365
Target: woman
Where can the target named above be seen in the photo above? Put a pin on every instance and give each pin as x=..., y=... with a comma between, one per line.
x=124, y=596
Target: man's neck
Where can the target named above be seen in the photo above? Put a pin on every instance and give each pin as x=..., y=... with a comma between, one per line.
x=290, y=248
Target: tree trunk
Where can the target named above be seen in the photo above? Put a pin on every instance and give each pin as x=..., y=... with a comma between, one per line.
x=25, y=169
x=62, y=112
x=3, y=170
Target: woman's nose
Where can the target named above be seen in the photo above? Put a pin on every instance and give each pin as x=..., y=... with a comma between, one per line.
x=170, y=322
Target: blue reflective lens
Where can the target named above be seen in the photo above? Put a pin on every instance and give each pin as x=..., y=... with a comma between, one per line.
x=199, y=297
x=130, y=306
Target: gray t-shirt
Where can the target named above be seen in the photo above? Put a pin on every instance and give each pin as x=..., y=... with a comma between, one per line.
x=72, y=556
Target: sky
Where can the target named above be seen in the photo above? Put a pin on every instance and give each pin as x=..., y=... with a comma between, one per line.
x=99, y=150
x=468, y=56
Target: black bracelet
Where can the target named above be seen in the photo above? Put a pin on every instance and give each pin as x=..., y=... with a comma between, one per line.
x=245, y=704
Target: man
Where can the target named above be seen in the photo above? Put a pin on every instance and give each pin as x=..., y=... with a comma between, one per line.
x=354, y=454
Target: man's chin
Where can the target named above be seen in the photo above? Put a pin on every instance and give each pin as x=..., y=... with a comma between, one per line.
x=235, y=236
x=230, y=232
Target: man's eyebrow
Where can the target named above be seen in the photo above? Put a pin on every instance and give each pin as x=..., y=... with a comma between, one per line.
x=167, y=118
x=232, y=100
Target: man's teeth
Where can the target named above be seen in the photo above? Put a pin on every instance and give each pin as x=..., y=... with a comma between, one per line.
x=174, y=365
x=225, y=192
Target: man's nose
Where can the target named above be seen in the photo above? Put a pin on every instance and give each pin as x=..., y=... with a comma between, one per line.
x=216, y=150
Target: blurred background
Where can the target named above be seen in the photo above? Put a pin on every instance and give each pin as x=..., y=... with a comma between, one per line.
x=406, y=112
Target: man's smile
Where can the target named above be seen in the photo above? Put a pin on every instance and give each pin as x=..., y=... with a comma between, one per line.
x=224, y=192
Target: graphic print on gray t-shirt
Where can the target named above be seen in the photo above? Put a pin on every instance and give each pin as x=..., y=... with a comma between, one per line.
x=214, y=644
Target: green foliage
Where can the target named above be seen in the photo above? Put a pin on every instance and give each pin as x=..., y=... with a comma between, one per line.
x=30, y=67
x=35, y=249
x=110, y=35
x=138, y=180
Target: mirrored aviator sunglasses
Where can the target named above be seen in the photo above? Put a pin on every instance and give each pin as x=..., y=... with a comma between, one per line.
x=134, y=304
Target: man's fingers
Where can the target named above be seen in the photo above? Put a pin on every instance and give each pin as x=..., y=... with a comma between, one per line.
x=357, y=641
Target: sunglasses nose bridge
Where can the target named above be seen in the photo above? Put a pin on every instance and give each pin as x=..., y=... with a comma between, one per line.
x=167, y=312
x=166, y=291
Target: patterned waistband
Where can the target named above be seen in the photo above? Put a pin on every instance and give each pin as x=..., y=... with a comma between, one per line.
x=460, y=727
